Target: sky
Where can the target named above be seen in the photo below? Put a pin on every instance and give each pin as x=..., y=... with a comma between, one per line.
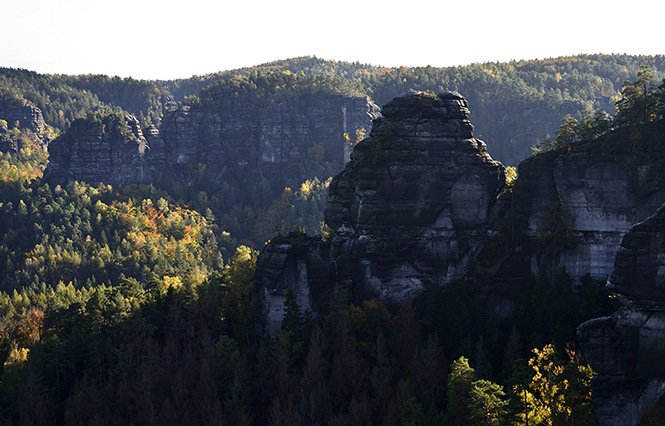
x=148, y=39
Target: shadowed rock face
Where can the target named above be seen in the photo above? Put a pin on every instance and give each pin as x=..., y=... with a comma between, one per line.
x=420, y=173
x=597, y=203
x=94, y=156
x=239, y=143
x=415, y=199
x=627, y=349
x=410, y=210
x=234, y=144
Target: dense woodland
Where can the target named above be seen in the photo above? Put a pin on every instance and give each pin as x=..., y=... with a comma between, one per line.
x=133, y=305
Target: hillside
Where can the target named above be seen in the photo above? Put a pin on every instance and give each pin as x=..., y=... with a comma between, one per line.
x=446, y=290
x=515, y=104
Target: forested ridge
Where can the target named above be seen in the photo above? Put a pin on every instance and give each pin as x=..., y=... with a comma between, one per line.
x=589, y=78
x=134, y=305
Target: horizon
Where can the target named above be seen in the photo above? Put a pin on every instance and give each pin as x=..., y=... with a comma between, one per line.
x=147, y=40
x=335, y=60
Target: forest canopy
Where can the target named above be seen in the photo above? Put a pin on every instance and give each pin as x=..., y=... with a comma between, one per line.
x=134, y=304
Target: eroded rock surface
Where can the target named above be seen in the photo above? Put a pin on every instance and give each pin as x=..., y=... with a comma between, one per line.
x=627, y=349
x=409, y=211
x=91, y=153
x=576, y=207
x=28, y=118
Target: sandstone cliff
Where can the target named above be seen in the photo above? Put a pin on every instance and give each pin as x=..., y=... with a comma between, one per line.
x=570, y=209
x=272, y=141
x=28, y=118
x=229, y=144
x=410, y=211
x=101, y=148
x=627, y=349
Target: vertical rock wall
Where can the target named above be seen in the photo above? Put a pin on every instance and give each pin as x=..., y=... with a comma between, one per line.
x=409, y=211
x=627, y=349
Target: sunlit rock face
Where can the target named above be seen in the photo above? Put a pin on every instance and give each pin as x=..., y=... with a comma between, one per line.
x=409, y=211
x=627, y=349
x=27, y=118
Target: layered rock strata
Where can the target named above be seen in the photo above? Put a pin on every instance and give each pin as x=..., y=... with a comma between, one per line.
x=27, y=118
x=231, y=143
x=94, y=155
x=271, y=142
x=627, y=349
x=578, y=205
x=409, y=211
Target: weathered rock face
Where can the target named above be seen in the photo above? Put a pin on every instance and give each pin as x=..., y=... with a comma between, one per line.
x=416, y=196
x=231, y=144
x=28, y=118
x=95, y=155
x=581, y=203
x=299, y=264
x=409, y=211
x=627, y=349
x=238, y=141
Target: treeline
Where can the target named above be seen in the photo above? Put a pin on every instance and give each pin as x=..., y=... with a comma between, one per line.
x=89, y=236
x=163, y=352
x=641, y=101
x=63, y=98
x=596, y=79
x=257, y=89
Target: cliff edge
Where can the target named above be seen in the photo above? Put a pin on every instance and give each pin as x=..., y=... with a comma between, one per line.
x=409, y=211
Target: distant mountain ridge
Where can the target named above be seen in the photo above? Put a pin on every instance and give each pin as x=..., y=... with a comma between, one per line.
x=515, y=104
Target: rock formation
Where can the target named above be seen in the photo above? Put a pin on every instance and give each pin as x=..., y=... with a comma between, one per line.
x=409, y=211
x=28, y=118
x=113, y=151
x=270, y=142
x=627, y=349
x=230, y=144
x=574, y=207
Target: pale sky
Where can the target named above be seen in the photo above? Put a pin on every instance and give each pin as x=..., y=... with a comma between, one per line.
x=167, y=39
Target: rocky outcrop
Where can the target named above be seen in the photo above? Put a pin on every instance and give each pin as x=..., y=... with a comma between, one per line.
x=28, y=118
x=409, y=211
x=228, y=145
x=416, y=197
x=574, y=207
x=273, y=142
x=627, y=349
x=111, y=150
x=297, y=263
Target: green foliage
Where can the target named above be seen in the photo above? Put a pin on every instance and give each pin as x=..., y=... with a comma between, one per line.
x=236, y=284
x=89, y=236
x=573, y=131
x=487, y=404
x=471, y=401
x=640, y=99
x=63, y=98
x=460, y=383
